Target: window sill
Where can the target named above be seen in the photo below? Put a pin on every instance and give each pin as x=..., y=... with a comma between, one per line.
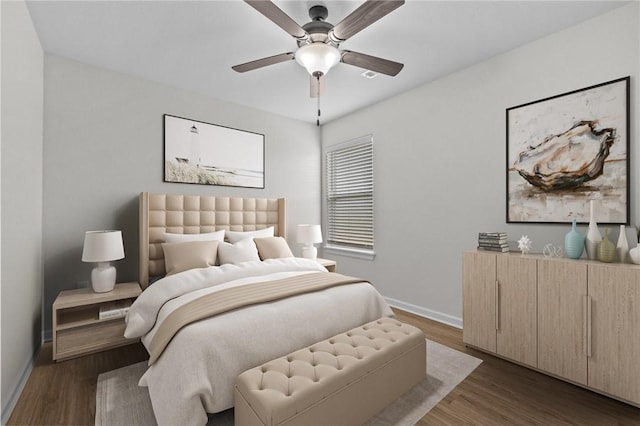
x=350, y=252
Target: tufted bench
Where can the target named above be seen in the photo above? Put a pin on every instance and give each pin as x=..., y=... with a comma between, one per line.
x=344, y=380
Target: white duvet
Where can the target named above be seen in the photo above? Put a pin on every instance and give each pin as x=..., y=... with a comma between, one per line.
x=197, y=371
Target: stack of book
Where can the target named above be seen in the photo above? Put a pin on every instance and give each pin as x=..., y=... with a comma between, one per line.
x=493, y=241
x=115, y=309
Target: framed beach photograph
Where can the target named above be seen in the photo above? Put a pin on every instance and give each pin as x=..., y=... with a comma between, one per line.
x=566, y=150
x=208, y=154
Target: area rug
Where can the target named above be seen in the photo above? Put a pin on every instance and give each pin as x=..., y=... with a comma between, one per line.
x=120, y=401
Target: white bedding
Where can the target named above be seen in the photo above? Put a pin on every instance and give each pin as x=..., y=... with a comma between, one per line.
x=197, y=371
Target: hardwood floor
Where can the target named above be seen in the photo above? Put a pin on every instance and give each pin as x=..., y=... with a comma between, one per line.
x=64, y=393
x=496, y=393
x=501, y=393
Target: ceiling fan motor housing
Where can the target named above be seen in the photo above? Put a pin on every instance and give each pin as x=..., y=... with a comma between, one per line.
x=318, y=28
x=318, y=13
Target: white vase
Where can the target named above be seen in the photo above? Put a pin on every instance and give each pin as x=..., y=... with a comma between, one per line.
x=634, y=254
x=622, y=247
x=593, y=235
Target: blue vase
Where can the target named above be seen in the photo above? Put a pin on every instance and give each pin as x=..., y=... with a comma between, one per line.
x=574, y=242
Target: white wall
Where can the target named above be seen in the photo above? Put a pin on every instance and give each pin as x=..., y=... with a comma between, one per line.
x=440, y=158
x=2, y=409
x=104, y=145
x=22, y=92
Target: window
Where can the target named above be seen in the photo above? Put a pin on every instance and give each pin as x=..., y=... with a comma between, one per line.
x=350, y=197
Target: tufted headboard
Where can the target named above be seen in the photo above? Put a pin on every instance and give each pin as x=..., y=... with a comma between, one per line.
x=196, y=214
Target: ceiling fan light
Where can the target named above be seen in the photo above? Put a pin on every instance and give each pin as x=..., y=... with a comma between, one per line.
x=318, y=57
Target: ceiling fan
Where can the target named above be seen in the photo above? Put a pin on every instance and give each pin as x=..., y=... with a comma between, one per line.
x=318, y=40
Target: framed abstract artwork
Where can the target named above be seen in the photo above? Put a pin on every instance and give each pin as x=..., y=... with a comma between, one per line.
x=566, y=150
x=208, y=154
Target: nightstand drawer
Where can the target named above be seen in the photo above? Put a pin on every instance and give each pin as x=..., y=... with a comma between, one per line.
x=91, y=338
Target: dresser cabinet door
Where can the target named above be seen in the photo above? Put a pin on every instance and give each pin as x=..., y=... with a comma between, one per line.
x=479, y=300
x=517, y=306
x=614, y=361
x=562, y=319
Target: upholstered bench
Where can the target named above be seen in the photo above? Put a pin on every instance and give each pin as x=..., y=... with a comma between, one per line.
x=344, y=380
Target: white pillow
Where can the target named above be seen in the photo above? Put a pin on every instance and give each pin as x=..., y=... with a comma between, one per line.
x=183, y=238
x=235, y=236
x=242, y=251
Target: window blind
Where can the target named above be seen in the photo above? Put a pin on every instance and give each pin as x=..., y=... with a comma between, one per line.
x=350, y=195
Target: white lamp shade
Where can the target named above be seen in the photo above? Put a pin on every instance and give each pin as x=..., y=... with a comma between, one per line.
x=318, y=57
x=309, y=234
x=102, y=246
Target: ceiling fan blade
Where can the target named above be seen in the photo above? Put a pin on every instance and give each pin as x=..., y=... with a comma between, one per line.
x=316, y=86
x=368, y=13
x=373, y=63
x=259, y=63
x=278, y=17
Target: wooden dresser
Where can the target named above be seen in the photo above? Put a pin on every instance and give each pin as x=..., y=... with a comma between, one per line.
x=577, y=320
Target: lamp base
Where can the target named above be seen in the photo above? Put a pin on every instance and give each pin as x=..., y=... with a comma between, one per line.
x=310, y=252
x=103, y=277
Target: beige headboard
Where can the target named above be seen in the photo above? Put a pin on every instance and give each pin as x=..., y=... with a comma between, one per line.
x=196, y=214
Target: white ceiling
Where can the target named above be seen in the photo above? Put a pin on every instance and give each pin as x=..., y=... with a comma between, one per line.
x=193, y=44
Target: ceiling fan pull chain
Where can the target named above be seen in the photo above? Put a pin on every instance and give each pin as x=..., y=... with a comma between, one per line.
x=318, y=96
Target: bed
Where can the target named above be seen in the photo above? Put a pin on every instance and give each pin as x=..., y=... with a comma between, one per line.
x=205, y=318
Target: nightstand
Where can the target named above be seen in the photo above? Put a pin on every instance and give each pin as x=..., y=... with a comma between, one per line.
x=77, y=327
x=329, y=264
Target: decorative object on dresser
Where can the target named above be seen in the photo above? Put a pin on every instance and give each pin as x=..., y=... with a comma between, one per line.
x=574, y=242
x=622, y=246
x=103, y=247
x=309, y=235
x=549, y=250
x=593, y=234
x=86, y=322
x=565, y=149
x=493, y=241
x=209, y=154
x=606, y=249
x=524, y=244
x=577, y=321
x=634, y=253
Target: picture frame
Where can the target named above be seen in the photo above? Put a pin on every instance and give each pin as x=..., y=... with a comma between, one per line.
x=568, y=149
x=209, y=154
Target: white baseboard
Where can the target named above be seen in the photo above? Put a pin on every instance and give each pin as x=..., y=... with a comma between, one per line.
x=427, y=313
x=10, y=404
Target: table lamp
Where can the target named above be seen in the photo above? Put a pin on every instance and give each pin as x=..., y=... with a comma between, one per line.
x=102, y=247
x=309, y=235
